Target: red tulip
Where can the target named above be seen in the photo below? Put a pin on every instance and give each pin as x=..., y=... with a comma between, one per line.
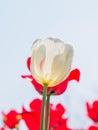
x=32, y=117
x=93, y=128
x=53, y=90
x=93, y=111
x=11, y=119
x=2, y=128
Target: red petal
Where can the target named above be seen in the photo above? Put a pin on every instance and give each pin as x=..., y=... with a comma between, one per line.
x=36, y=85
x=32, y=121
x=23, y=109
x=60, y=109
x=36, y=105
x=60, y=88
x=28, y=77
x=28, y=62
x=74, y=75
x=93, y=111
x=95, y=104
x=93, y=128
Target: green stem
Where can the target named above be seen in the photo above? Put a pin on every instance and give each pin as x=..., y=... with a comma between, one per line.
x=47, y=112
x=17, y=128
x=43, y=107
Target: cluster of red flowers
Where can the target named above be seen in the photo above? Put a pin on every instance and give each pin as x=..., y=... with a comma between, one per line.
x=57, y=121
x=32, y=117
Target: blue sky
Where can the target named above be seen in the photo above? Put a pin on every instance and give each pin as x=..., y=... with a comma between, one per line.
x=75, y=22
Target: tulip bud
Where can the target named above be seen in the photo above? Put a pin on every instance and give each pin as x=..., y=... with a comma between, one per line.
x=50, y=61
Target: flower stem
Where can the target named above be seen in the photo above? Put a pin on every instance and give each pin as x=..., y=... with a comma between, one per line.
x=43, y=107
x=17, y=126
x=47, y=112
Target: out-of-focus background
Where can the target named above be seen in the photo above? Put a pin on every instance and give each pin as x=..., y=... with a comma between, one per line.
x=23, y=21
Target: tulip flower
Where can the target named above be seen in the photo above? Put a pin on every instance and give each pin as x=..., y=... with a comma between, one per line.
x=50, y=61
x=11, y=119
x=93, y=111
x=60, y=87
x=53, y=90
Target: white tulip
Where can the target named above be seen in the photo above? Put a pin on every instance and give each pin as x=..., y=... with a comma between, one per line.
x=50, y=61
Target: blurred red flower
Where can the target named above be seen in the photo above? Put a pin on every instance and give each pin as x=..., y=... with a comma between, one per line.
x=32, y=117
x=2, y=128
x=11, y=119
x=93, y=128
x=55, y=90
x=93, y=111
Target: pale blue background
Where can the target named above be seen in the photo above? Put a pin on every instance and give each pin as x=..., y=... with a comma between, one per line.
x=74, y=21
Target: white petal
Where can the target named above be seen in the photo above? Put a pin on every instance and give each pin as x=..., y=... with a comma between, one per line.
x=61, y=65
x=53, y=48
x=37, y=59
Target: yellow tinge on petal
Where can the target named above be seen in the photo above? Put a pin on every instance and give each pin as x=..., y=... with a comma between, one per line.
x=19, y=117
x=5, y=118
x=50, y=61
